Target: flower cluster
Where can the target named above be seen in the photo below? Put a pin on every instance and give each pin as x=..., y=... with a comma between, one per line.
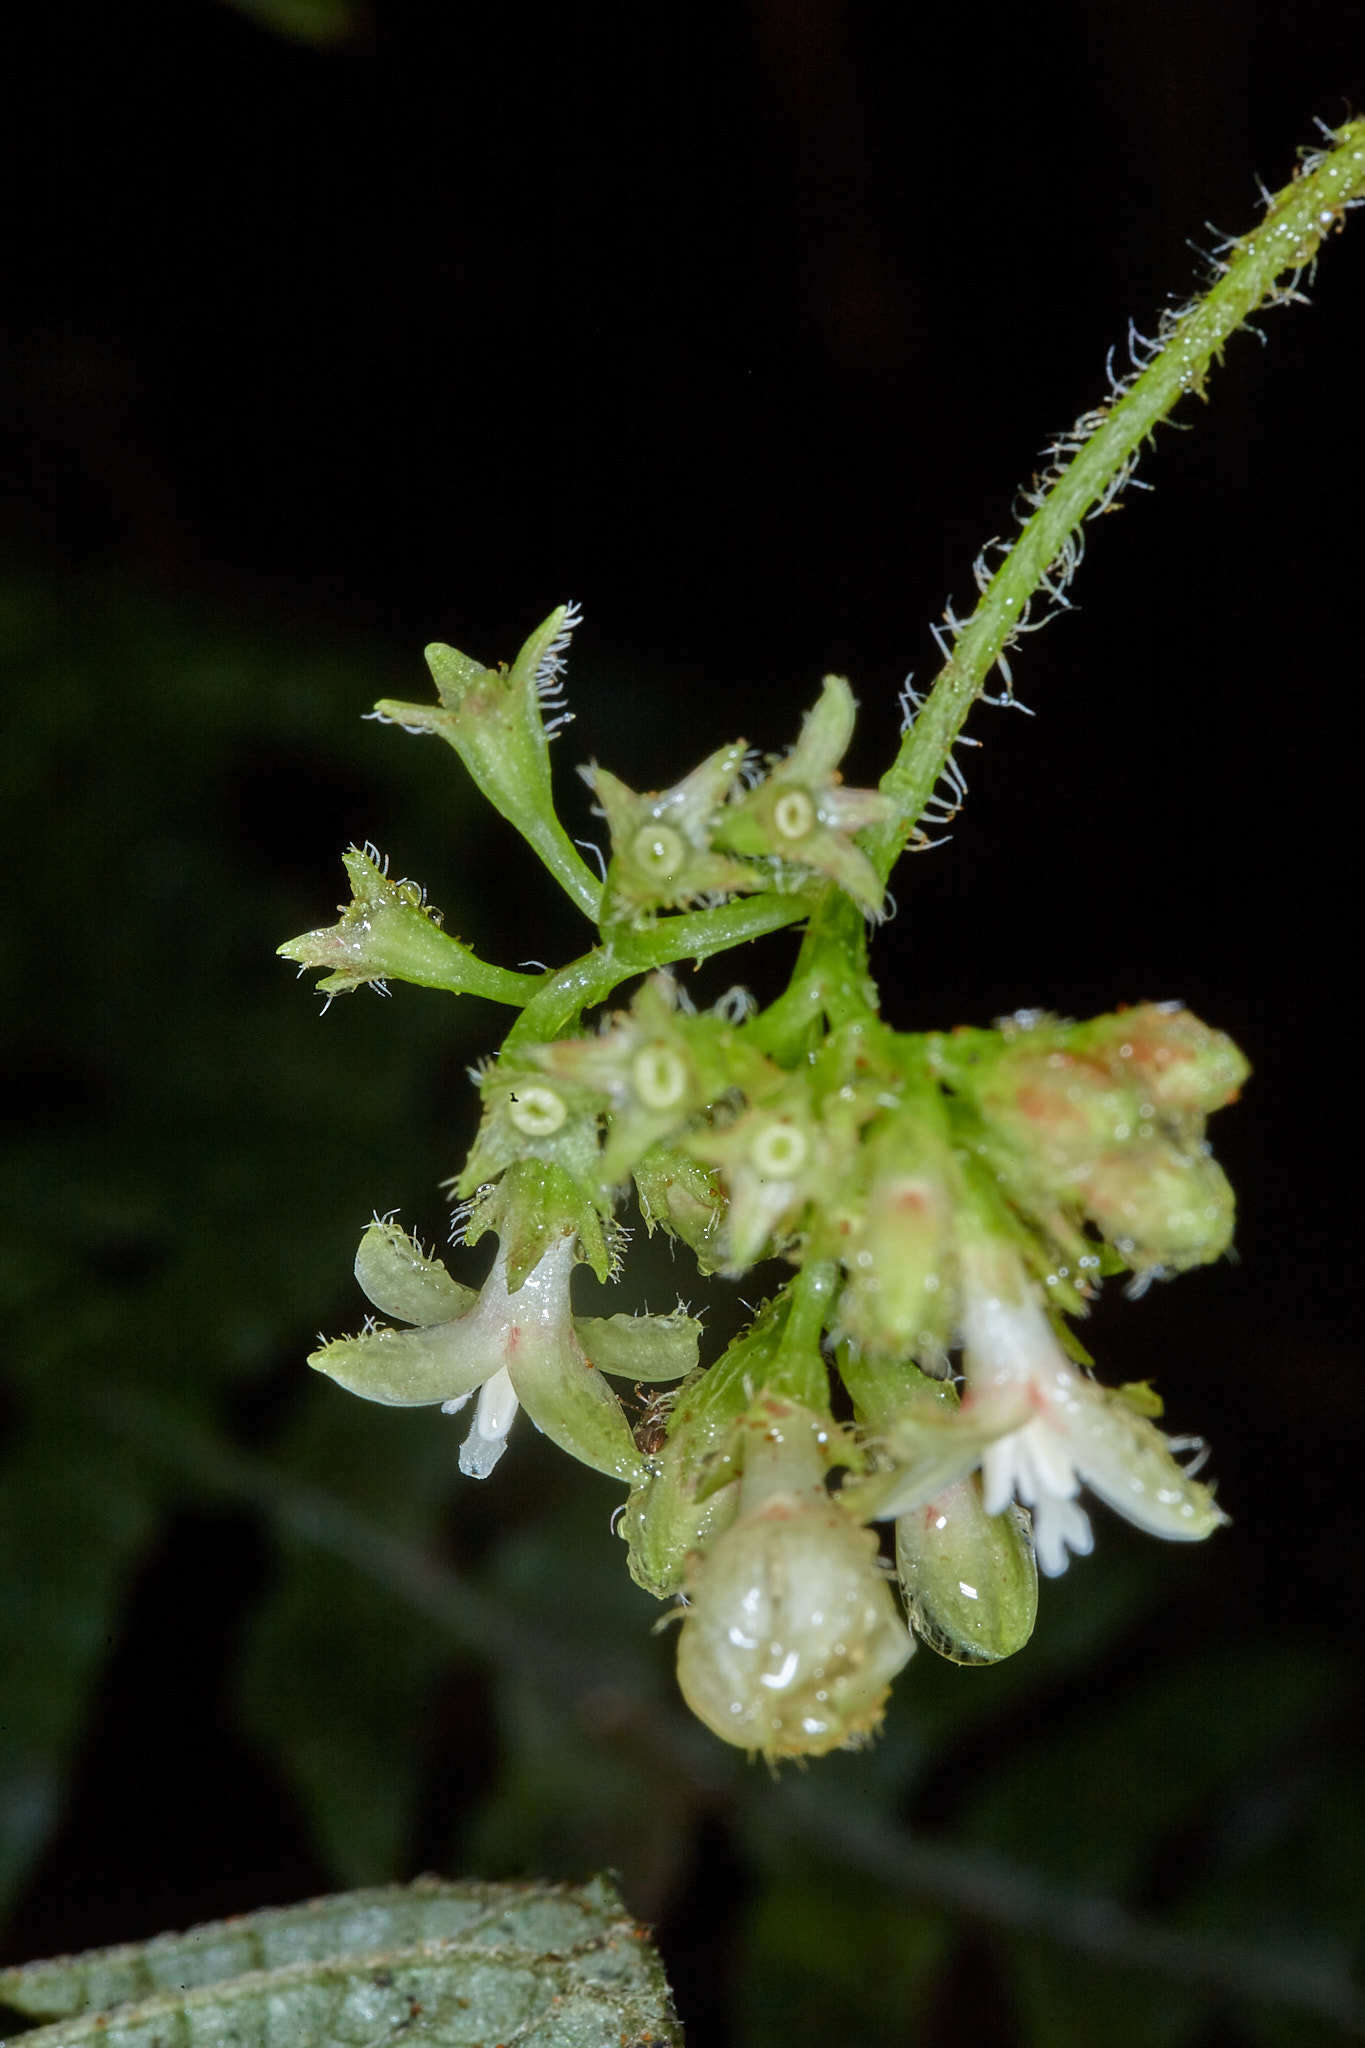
x=943, y=1203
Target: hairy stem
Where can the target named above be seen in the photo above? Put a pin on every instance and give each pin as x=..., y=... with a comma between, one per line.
x=1107, y=443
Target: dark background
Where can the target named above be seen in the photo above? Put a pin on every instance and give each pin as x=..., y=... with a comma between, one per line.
x=741, y=326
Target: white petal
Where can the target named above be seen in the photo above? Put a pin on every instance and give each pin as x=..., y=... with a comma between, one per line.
x=1044, y=1464
x=1060, y=1526
x=1006, y=1340
x=1127, y=1461
x=494, y=1416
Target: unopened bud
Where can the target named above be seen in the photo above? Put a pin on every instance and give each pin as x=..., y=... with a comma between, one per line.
x=1057, y=1106
x=680, y=1196
x=1160, y=1204
x=1180, y=1066
x=898, y=1294
x=792, y=1635
x=969, y=1579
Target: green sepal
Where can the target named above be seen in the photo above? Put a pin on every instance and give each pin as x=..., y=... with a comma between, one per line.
x=406, y=1368
x=641, y=1347
x=401, y=1280
x=388, y=931
x=531, y=1208
x=661, y=854
x=683, y=1198
x=802, y=814
x=493, y=719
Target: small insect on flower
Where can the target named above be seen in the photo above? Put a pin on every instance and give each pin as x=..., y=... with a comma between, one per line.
x=651, y=1427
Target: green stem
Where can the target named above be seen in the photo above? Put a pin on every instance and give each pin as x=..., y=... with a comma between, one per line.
x=559, y=1004
x=797, y=1371
x=830, y=981
x=1296, y=222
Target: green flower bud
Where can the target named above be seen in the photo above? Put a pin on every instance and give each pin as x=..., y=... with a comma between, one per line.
x=896, y=1249
x=494, y=720
x=690, y=1494
x=968, y=1579
x=681, y=1197
x=792, y=1635
x=661, y=840
x=1160, y=1204
x=388, y=931
x=802, y=813
x=692, y=1490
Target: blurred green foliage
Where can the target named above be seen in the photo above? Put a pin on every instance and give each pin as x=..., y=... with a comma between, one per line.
x=321, y=22
x=1120, y=1835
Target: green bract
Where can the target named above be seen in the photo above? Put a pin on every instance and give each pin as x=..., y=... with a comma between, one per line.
x=943, y=1201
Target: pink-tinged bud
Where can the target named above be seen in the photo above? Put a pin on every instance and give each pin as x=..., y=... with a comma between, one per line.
x=1160, y=1204
x=1180, y=1066
x=898, y=1296
x=1057, y=1106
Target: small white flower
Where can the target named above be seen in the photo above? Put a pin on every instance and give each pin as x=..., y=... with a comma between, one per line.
x=1078, y=1433
x=513, y=1346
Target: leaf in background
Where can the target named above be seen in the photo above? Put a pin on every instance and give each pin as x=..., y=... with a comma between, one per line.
x=192, y=1151
x=444, y=1965
x=1284, y=1870
x=1061, y=2005
x=305, y=21
x=834, y=1958
x=336, y=1674
x=73, y=1524
x=1107, y=1802
x=593, y=1769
